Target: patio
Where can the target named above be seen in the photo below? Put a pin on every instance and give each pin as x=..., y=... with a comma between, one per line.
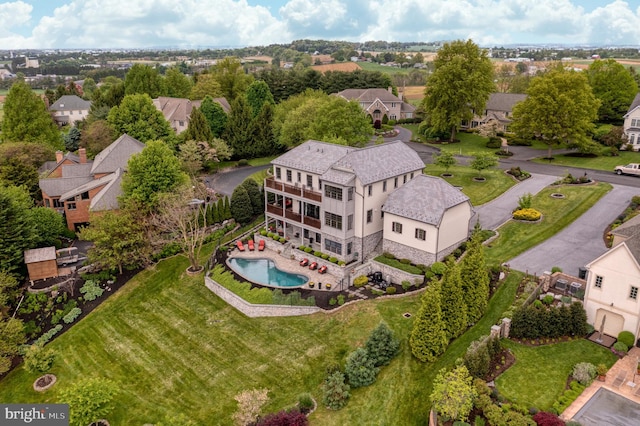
x=621, y=380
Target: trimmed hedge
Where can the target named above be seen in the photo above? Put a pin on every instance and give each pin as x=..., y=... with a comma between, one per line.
x=530, y=215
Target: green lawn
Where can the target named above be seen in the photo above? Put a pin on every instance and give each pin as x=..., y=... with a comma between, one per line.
x=597, y=163
x=370, y=66
x=557, y=213
x=253, y=162
x=496, y=183
x=540, y=373
x=173, y=347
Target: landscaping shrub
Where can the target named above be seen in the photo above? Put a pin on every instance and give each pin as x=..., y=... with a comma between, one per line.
x=391, y=290
x=282, y=240
x=395, y=263
x=317, y=253
x=584, y=372
x=548, y=299
x=477, y=358
x=72, y=315
x=556, y=269
x=543, y=418
x=382, y=346
x=567, y=397
x=333, y=259
x=335, y=391
x=520, y=142
x=627, y=338
x=38, y=359
x=494, y=142
x=308, y=249
x=388, y=255
x=340, y=299
x=341, y=263
x=243, y=162
x=360, y=369
x=332, y=301
x=284, y=418
x=438, y=268
x=42, y=340
x=305, y=402
x=530, y=215
x=263, y=232
x=405, y=261
x=324, y=256
x=620, y=347
x=360, y=281
x=524, y=202
x=91, y=290
x=406, y=285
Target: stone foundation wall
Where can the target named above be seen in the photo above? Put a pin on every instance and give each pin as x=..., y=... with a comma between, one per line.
x=402, y=251
x=369, y=244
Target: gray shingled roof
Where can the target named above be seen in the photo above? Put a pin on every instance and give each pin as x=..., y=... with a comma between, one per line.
x=379, y=162
x=107, y=199
x=369, y=95
x=629, y=228
x=634, y=104
x=55, y=187
x=77, y=170
x=633, y=243
x=338, y=176
x=116, y=155
x=504, y=101
x=70, y=103
x=313, y=156
x=424, y=198
x=87, y=187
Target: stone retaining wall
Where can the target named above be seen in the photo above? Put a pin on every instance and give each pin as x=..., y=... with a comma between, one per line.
x=396, y=276
x=254, y=311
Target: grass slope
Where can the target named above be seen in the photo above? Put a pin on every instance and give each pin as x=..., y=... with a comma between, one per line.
x=557, y=213
x=539, y=376
x=596, y=163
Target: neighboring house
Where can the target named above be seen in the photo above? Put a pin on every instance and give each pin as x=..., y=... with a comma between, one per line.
x=631, y=126
x=75, y=186
x=425, y=220
x=378, y=103
x=333, y=198
x=611, y=297
x=177, y=111
x=69, y=109
x=499, y=109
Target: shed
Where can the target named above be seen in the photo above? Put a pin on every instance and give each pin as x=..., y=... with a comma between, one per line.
x=41, y=263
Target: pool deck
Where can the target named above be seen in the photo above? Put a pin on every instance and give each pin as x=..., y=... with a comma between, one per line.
x=293, y=266
x=628, y=364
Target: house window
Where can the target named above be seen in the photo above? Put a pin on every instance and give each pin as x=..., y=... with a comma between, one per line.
x=311, y=210
x=299, y=176
x=412, y=175
x=384, y=186
x=349, y=247
x=598, y=283
x=396, y=227
x=395, y=182
x=369, y=216
x=333, y=192
x=393, y=117
x=632, y=139
x=333, y=220
x=332, y=246
x=47, y=202
x=309, y=181
x=421, y=234
x=84, y=195
x=633, y=293
x=635, y=122
x=289, y=176
x=278, y=173
x=350, y=194
x=404, y=179
x=393, y=105
x=57, y=203
x=349, y=222
x=71, y=205
x=318, y=237
x=181, y=123
x=370, y=190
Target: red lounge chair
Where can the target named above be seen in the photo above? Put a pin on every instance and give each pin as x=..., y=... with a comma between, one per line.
x=313, y=266
x=304, y=262
x=252, y=247
x=261, y=245
x=322, y=269
x=240, y=245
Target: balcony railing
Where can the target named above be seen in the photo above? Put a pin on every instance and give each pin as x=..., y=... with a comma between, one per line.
x=315, y=223
x=312, y=195
x=293, y=190
x=271, y=183
x=274, y=210
x=293, y=216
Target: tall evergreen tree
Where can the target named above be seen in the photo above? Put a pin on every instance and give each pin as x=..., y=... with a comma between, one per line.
x=26, y=118
x=264, y=140
x=429, y=338
x=382, y=345
x=255, y=195
x=227, y=208
x=17, y=230
x=454, y=311
x=241, y=209
x=258, y=94
x=198, y=129
x=215, y=115
x=238, y=132
x=475, y=279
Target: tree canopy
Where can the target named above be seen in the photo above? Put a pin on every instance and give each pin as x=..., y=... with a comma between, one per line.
x=560, y=108
x=17, y=230
x=215, y=115
x=144, y=79
x=139, y=118
x=460, y=84
x=258, y=94
x=614, y=86
x=178, y=84
x=26, y=118
x=231, y=77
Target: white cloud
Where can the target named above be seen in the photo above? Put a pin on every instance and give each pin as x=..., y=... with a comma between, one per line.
x=145, y=23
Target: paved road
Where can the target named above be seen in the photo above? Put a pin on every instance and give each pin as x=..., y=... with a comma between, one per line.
x=225, y=182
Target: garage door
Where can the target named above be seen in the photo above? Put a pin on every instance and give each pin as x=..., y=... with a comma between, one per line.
x=613, y=323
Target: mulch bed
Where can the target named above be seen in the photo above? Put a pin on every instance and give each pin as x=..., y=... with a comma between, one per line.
x=44, y=382
x=543, y=340
x=499, y=364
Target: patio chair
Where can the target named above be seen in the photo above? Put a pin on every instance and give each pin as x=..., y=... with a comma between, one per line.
x=261, y=245
x=252, y=247
x=240, y=245
x=304, y=262
x=313, y=266
x=619, y=380
x=322, y=269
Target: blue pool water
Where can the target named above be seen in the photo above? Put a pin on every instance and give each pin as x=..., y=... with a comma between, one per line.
x=265, y=272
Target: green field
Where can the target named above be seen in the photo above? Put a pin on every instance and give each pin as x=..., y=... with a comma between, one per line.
x=370, y=66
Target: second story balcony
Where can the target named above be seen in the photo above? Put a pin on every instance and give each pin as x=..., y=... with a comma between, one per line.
x=297, y=190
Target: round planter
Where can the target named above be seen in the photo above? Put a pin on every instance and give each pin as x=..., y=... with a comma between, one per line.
x=479, y=179
x=557, y=195
x=43, y=383
x=192, y=273
x=446, y=175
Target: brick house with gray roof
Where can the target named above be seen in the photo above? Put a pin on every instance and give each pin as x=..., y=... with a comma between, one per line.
x=499, y=109
x=333, y=198
x=69, y=109
x=378, y=103
x=74, y=189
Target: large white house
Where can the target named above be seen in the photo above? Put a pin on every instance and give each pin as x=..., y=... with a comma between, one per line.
x=344, y=201
x=611, y=297
x=631, y=126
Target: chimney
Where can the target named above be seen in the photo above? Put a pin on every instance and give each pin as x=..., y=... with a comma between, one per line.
x=82, y=153
x=59, y=156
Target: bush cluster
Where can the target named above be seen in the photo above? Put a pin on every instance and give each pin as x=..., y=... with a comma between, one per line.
x=529, y=214
x=38, y=359
x=72, y=315
x=494, y=142
x=518, y=173
x=499, y=415
x=567, y=397
x=479, y=355
x=335, y=391
x=620, y=347
x=584, y=373
x=91, y=290
x=532, y=322
x=627, y=338
x=543, y=418
x=360, y=281
x=46, y=337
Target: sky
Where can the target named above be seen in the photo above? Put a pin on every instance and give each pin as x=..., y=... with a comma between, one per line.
x=70, y=24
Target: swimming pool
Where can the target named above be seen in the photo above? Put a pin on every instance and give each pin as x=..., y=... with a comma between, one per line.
x=608, y=408
x=265, y=272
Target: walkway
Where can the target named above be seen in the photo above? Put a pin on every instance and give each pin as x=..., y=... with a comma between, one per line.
x=627, y=365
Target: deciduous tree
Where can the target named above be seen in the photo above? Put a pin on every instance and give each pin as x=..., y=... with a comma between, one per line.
x=49, y=225
x=17, y=230
x=483, y=161
x=89, y=399
x=178, y=85
x=144, y=79
x=138, y=117
x=614, y=86
x=453, y=393
x=229, y=73
x=258, y=94
x=96, y=137
x=444, y=159
x=460, y=84
x=215, y=115
x=560, y=108
x=205, y=85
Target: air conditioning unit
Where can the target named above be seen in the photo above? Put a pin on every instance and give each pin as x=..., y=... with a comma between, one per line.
x=561, y=284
